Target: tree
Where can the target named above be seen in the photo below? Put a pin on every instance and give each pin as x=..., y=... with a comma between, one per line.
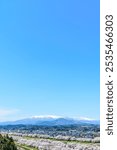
x=7, y=143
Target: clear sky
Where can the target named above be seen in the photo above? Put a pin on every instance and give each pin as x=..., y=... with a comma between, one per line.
x=49, y=58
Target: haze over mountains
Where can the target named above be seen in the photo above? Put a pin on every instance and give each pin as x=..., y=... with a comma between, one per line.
x=50, y=121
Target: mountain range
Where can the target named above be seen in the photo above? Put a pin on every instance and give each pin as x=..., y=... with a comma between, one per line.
x=50, y=121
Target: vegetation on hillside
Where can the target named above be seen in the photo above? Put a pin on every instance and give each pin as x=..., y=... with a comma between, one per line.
x=7, y=143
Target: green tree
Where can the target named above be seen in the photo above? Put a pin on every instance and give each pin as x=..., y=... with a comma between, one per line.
x=7, y=143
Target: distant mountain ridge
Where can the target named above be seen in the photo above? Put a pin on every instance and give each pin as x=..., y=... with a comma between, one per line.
x=50, y=121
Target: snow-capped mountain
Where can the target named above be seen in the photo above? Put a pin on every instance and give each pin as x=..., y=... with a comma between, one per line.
x=50, y=120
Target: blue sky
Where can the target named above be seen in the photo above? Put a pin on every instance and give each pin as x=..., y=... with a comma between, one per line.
x=49, y=58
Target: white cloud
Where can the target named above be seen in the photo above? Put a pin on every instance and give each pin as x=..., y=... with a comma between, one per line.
x=4, y=113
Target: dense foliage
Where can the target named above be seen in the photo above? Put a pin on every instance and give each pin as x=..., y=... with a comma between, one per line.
x=7, y=143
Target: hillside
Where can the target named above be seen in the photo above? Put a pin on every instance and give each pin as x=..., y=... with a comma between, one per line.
x=7, y=143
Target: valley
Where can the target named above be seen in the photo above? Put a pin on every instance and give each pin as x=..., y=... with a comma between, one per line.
x=69, y=137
